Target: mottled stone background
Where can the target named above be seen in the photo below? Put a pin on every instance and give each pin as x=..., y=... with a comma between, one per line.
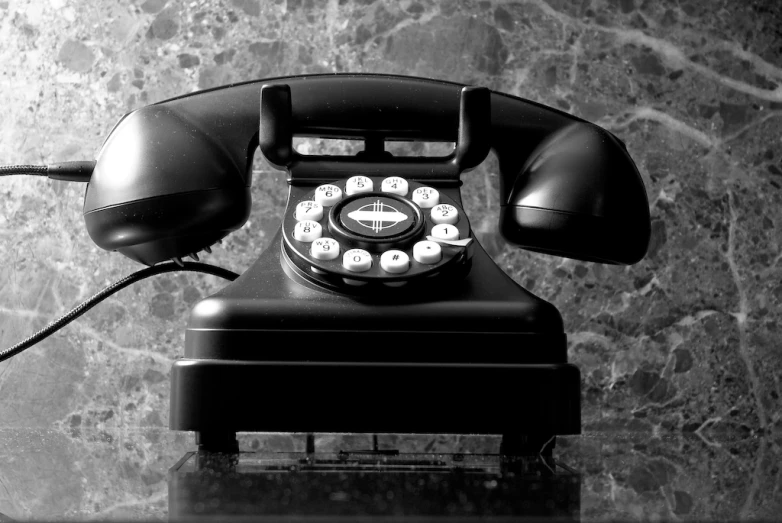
x=688, y=340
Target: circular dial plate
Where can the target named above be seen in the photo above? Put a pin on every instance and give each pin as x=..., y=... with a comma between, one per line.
x=374, y=217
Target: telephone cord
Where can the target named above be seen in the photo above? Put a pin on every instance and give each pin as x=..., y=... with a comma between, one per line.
x=79, y=171
x=108, y=291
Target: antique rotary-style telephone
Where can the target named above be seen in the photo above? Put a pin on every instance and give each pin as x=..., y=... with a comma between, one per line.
x=375, y=309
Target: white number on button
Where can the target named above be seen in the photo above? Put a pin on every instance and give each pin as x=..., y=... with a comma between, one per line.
x=357, y=260
x=307, y=231
x=445, y=232
x=327, y=195
x=444, y=213
x=324, y=249
x=395, y=262
x=309, y=210
x=426, y=197
x=358, y=184
x=395, y=185
x=427, y=252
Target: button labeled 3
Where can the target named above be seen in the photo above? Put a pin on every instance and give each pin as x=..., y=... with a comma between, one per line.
x=426, y=197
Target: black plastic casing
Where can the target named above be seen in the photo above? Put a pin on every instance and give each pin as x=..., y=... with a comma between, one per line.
x=275, y=352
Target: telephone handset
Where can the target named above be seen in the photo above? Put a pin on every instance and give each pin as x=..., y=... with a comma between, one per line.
x=173, y=178
x=375, y=277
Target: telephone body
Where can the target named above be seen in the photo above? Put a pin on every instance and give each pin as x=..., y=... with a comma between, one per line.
x=375, y=309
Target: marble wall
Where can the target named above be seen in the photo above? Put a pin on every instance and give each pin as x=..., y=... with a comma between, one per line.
x=686, y=340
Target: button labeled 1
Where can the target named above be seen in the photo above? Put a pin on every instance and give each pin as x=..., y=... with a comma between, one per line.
x=445, y=232
x=324, y=249
x=307, y=231
x=426, y=197
x=358, y=185
x=357, y=260
x=328, y=195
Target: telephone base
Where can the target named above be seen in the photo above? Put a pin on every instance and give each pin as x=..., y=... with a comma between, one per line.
x=476, y=355
x=217, y=398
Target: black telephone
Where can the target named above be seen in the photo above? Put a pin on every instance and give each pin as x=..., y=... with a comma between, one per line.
x=375, y=289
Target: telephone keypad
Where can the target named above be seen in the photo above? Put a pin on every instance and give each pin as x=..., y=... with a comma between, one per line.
x=328, y=195
x=426, y=197
x=378, y=235
x=444, y=213
x=307, y=231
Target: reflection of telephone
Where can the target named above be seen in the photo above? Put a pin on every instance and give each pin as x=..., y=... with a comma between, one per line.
x=378, y=288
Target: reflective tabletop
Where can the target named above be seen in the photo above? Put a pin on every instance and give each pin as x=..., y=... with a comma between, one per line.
x=159, y=475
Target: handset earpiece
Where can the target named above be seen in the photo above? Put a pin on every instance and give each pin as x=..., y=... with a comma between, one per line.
x=579, y=195
x=163, y=188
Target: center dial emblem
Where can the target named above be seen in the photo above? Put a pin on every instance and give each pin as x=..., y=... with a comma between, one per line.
x=377, y=216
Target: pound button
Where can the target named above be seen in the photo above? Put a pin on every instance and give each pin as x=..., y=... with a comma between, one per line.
x=307, y=231
x=395, y=262
x=357, y=260
x=327, y=195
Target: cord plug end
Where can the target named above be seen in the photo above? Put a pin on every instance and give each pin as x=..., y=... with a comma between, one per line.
x=71, y=171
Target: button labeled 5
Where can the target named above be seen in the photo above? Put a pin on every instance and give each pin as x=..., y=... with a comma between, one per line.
x=358, y=185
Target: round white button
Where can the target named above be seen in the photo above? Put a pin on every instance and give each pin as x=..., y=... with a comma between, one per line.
x=426, y=197
x=427, y=252
x=327, y=195
x=309, y=210
x=395, y=262
x=444, y=213
x=307, y=231
x=358, y=184
x=445, y=232
x=395, y=185
x=324, y=249
x=357, y=260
